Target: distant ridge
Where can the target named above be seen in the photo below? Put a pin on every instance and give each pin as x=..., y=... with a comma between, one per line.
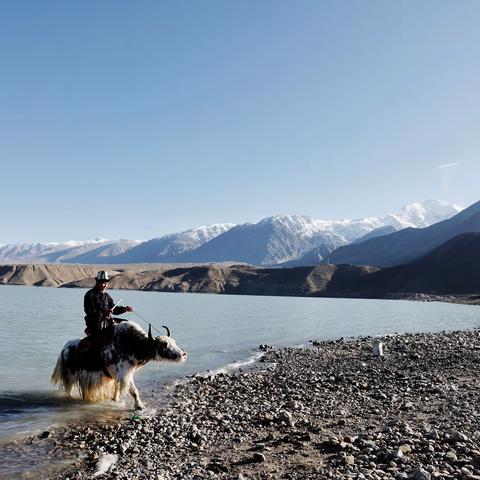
x=280, y=240
x=408, y=244
x=65, y=252
x=283, y=239
x=452, y=268
x=167, y=248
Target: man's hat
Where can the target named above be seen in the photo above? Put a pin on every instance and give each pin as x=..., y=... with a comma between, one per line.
x=102, y=276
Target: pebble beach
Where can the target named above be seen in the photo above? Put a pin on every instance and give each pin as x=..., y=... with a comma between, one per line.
x=333, y=410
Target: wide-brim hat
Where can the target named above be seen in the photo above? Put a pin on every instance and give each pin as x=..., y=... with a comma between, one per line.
x=102, y=276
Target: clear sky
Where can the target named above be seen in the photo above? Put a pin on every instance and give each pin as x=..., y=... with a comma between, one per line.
x=127, y=119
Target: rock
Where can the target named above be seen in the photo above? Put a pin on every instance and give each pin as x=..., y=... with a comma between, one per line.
x=407, y=405
x=398, y=453
x=285, y=416
x=451, y=456
x=406, y=449
x=258, y=457
x=457, y=436
x=421, y=474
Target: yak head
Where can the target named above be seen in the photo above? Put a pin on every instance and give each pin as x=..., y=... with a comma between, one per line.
x=165, y=347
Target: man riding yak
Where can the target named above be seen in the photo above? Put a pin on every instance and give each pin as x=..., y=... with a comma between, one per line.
x=99, y=310
x=99, y=306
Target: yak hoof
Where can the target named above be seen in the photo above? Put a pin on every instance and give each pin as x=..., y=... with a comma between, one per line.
x=139, y=406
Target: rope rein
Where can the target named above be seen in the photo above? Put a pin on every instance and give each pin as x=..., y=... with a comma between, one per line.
x=147, y=322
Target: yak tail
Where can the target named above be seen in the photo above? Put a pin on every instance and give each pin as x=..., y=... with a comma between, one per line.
x=59, y=373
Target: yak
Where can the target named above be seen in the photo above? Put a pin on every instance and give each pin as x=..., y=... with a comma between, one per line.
x=107, y=371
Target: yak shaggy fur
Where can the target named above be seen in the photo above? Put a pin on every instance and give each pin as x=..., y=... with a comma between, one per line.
x=130, y=348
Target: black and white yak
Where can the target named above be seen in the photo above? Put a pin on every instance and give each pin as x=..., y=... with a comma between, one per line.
x=109, y=372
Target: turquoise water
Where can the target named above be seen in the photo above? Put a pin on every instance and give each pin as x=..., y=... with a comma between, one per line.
x=216, y=330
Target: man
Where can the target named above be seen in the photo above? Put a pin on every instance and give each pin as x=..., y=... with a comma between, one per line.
x=98, y=305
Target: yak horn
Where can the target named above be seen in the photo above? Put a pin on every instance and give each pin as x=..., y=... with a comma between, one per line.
x=150, y=332
x=167, y=329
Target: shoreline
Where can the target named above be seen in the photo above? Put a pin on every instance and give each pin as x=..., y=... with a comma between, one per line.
x=332, y=410
x=320, y=281
x=460, y=299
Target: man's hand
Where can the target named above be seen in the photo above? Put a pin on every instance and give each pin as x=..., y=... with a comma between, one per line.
x=128, y=308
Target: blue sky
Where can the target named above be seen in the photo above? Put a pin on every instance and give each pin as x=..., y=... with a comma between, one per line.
x=127, y=119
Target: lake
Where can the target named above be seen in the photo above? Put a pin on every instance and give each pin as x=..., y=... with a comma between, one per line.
x=218, y=331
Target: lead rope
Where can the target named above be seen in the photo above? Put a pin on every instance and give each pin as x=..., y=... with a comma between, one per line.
x=147, y=322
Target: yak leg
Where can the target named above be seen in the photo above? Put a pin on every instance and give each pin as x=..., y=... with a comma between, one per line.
x=125, y=380
x=136, y=396
x=69, y=382
x=121, y=379
x=116, y=389
x=116, y=392
x=68, y=391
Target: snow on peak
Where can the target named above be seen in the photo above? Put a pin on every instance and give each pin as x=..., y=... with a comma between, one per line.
x=214, y=229
x=420, y=215
x=206, y=232
x=311, y=231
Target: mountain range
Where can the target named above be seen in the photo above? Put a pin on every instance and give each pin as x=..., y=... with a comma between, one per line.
x=63, y=252
x=451, y=269
x=281, y=240
x=408, y=244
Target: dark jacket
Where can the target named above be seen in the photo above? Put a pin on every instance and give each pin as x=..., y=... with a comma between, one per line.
x=97, y=305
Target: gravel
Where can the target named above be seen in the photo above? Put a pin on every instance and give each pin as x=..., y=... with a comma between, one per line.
x=332, y=411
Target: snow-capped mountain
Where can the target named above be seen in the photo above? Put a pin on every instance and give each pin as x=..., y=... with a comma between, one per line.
x=285, y=238
x=62, y=251
x=420, y=215
x=271, y=241
x=415, y=215
x=409, y=244
x=101, y=250
x=165, y=249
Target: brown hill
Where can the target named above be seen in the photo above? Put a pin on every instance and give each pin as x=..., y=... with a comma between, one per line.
x=230, y=279
x=452, y=268
x=44, y=275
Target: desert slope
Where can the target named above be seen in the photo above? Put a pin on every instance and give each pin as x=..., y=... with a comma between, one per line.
x=212, y=278
x=44, y=275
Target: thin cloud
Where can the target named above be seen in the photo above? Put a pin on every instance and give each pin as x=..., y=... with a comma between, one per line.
x=448, y=165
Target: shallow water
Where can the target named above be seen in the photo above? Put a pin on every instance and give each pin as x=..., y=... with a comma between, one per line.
x=216, y=330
